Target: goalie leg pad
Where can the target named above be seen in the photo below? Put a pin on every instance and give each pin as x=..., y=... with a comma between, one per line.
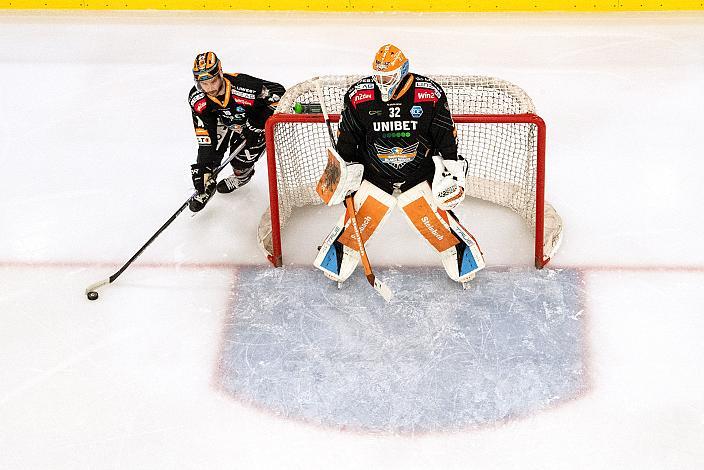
x=339, y=255
x=373, y=207
x=459, y=252
x=467, y=258
x=336, y=260
x=422, y=213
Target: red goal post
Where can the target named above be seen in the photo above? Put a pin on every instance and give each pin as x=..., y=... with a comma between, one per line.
x=498, y=132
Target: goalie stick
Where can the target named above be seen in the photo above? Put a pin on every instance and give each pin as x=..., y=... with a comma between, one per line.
x=91, y=290
x=377, y=284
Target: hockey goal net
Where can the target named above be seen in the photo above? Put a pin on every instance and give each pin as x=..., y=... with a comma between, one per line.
x=498, y=133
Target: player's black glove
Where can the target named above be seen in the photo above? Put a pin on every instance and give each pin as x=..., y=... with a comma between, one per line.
x=253, y=137
x=201, y=176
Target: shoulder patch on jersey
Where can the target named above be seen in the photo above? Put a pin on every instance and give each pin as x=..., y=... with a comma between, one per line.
x=195, y=97
x=199, y=106
x=360, y=96
x=422, y=96
x=430, y=86
x=242, y=95
x=359, y=86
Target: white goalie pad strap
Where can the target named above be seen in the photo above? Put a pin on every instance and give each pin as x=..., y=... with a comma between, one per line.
x=449, y=181
x=338, y=179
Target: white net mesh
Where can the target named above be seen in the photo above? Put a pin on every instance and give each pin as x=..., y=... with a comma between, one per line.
x=502, y=157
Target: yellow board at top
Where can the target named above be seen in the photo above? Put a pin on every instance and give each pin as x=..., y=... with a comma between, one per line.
x=361, y=5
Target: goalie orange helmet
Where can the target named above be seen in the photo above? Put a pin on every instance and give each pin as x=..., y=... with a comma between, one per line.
x=390, y=66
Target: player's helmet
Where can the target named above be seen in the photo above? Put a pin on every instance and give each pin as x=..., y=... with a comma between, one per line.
x=390, y=66
x=206, y=67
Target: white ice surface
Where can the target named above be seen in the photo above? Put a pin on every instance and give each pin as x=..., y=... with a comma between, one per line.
x=96, y=143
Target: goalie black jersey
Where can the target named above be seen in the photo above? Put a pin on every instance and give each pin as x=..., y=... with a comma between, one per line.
x=396, y=140
x=219, y=121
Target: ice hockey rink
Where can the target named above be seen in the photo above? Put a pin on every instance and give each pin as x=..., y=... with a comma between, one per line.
x=96, y=146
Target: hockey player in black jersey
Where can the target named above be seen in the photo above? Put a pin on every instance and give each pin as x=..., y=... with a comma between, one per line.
x=397, y=144
x=227, y=109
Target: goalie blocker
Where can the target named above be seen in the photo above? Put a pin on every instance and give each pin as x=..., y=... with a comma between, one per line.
x=460, y=255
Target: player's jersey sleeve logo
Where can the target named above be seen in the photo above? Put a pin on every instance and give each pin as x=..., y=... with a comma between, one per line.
x=199, y=105
x=397, y=157
x=425, y=95
x=202, y=136
x=360, y=96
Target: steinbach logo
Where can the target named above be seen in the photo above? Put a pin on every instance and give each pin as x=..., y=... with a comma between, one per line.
x=362, y=96
x=431, y=229
x=366, y=221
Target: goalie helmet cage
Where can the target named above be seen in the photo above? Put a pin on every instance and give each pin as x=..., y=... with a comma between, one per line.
x=498, y=133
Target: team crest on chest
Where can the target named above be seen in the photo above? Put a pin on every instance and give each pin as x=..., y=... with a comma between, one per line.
x=397, y=157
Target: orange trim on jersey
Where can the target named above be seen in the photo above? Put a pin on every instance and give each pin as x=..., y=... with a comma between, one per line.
x=405, y=88
x=201, y=131
x=228, y=91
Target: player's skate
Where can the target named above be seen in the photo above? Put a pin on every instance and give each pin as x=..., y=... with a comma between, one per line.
x=199, y=201
x=238, y=179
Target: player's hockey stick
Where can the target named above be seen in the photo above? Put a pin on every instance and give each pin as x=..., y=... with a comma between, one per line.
x=378, y=285
x=91, y=290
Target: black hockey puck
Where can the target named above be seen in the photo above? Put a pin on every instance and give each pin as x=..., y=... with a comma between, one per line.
x=92, y=295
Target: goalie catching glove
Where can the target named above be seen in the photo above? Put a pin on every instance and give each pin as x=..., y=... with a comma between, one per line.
x=449, y=182
x=339, y=179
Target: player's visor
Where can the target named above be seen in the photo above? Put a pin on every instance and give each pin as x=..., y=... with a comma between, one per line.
x=205, y=76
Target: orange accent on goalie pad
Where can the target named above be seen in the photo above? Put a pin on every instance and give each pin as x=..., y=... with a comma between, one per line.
x=369, y=216
x=430, y=224
x=330, y=179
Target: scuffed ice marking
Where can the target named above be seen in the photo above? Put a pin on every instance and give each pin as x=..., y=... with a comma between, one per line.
x=435, y=358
